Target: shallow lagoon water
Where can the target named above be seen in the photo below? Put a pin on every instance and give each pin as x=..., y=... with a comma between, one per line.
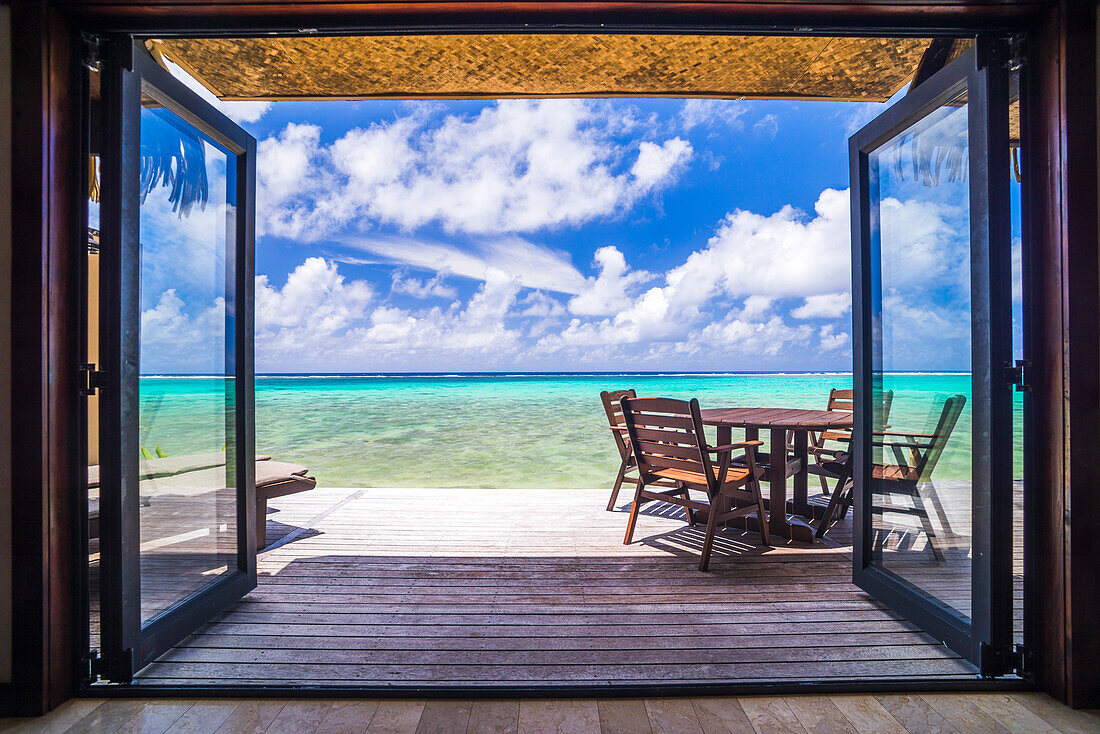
x=523, y=431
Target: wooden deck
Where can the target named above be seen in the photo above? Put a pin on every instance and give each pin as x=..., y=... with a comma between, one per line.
x=459, y=587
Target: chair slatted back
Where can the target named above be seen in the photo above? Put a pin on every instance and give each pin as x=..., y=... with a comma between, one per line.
x=667, y=434
x=949, y=416
x=614, y=413
x=838, y=400
x=845, y=400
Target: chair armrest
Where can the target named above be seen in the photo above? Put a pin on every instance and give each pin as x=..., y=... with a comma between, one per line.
x=905, y=433
x=826, y=452
x=732, y=446
x=902, y=444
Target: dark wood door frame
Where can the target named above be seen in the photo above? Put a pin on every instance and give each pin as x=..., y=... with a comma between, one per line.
x=1060, y=221
x=47, y=410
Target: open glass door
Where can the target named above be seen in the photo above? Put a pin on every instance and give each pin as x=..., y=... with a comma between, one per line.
x=177, y=496
x=932, y=457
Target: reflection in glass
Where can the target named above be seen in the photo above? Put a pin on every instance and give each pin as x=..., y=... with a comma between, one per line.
x=188, y=512
x=921, y=488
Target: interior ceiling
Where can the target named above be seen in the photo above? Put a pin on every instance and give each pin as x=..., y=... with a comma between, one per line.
x=538, y=65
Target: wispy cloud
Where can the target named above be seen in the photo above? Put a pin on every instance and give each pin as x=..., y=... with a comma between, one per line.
x=712, y=113
x=528, y=264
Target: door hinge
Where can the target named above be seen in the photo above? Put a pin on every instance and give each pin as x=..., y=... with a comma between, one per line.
x=101, y=669
x=1016, y=56
x=1017, y=375
x=91, y=379
x=1013, y=659
x=1021, y=661
x=91, y=52
x=95, y=665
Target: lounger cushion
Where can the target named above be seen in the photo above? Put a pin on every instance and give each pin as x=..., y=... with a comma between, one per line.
x=270, y=472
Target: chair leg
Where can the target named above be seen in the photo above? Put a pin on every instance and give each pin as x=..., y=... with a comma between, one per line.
x=824, y=484
x=708, y=541
x=687, y=510
x=938, y=506
x=618, y=484
x=826, y=520
x=261, y=523
x=840, y=500
x=926, y=522
x=634, y=507
x=761, y=513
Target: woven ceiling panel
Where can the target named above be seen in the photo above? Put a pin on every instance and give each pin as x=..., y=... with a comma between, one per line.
x=531, y=65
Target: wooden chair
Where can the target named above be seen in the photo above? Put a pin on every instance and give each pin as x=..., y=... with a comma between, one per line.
x=828, y=449
x=627, y=465
x=669, y=444
x=917, y=455
x=614, y=413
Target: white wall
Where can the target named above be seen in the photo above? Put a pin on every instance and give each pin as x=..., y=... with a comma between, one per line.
x=5, y=344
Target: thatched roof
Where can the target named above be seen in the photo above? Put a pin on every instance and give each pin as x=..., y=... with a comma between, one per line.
x=539, y=65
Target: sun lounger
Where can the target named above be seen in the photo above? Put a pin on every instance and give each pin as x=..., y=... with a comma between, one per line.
x=273, y=479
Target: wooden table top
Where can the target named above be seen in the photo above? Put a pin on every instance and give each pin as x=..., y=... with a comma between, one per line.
x=787, y=418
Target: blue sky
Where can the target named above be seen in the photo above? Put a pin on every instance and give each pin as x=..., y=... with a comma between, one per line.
x=625, y=234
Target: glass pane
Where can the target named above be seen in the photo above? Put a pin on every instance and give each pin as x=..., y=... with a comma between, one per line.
x=1017, y=397
x=186, y=427
x=921, y=491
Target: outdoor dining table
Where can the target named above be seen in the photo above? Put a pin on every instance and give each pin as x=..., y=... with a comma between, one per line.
x=780, y=421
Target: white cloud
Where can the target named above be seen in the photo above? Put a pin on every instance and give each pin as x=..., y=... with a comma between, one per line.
x=768, y=337
x=476, y=329
x=712, y=113
x=752, y=257
x=238, y=112
x=537, y=304
x=656, y=162
x=185, y=252
x=314, y=304
x=428, y=288
x=530, y=265
x=781, y=255
x=173, y=341
x=727, y=305
x=517, y=166
x=918, y=333
x=832, y=340
x=824, y=306
x=610, y=291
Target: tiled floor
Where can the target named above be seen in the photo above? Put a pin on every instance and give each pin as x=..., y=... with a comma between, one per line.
x=862, y=714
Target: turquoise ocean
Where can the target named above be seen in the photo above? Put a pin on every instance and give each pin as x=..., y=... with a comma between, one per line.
x=490, y=430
